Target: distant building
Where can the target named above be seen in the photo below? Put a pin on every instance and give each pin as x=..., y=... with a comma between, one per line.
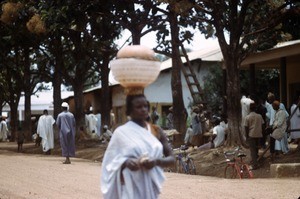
x=39, y=102
x=158, y=93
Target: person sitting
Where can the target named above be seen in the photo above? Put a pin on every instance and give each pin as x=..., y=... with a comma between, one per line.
x=106, y=136
x=217, y=139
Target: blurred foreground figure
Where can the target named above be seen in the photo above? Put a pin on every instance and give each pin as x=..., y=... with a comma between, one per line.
x=66, y=126
x=137, y=151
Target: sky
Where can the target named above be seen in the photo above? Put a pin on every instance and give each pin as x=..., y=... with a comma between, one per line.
x=149, y=40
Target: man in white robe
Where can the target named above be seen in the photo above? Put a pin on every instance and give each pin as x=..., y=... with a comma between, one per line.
x=245, y=108
x=45, y=131
x=91, y=124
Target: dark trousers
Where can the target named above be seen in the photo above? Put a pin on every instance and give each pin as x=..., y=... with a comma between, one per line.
x=272, y=145
x=254, y=144
x=263, y=140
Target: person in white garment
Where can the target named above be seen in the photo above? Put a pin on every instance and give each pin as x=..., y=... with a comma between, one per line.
x=91, y=123
x=245, y=107
x=106, y=134
x=133, y=161
x=280, y=145
x=188, y=135
x=217, y=139
x=3, y=129
x=295, y=122
x=45, y=131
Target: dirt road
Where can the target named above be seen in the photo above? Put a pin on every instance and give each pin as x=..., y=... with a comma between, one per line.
x=39, y=176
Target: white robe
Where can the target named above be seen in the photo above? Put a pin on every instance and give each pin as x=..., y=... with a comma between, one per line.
x=45, y=130
x=131, y=141
x=3, y=131
x=98, y=116
x=245, y=106
x=295, y=123
x=281, y=145
x=91, y=121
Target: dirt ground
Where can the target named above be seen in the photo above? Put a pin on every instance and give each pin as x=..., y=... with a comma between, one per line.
x=208, y=163
x=32, y=175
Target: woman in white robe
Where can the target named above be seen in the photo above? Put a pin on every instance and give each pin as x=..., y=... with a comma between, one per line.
x=132, y=164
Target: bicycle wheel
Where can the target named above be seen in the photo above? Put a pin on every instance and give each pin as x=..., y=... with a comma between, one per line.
x=230, y=171
x=247, y=173
x=191, y=166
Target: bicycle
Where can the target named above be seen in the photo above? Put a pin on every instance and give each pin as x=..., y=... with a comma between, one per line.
x=184, y=163
x=236, y=167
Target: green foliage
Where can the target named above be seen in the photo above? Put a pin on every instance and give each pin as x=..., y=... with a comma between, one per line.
x=266, y=81
x=213, y=84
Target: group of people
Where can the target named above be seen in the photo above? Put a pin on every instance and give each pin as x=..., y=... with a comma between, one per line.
x=269, y=120
x=66, y=124
x=201, y=124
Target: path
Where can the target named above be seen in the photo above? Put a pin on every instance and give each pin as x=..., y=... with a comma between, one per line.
x=42, y=177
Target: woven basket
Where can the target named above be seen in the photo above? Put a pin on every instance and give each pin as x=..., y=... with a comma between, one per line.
x=132, y=72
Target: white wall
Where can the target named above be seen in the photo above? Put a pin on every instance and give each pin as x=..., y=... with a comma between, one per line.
x=160, y=91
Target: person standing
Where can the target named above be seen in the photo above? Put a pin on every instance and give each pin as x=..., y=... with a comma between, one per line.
x=280, y=145
x=262, y=110
x=91, y=123
x=45, y=131
x=170, y=124
x=133, y=161
x=295, y=122
x=188, y=135
x=279, y=126
x=154, y=116
x=253, y=128
x=66, y=125
x=197, y=129
x=3, y=129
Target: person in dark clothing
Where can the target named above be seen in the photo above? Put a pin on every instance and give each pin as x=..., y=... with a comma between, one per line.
x=262, y=110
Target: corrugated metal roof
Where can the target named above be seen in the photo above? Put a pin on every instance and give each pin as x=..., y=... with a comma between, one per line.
x=212, y=53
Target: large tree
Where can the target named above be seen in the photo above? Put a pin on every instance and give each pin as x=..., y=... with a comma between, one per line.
x=171, y=36
x=241, y=28
x=85, y=33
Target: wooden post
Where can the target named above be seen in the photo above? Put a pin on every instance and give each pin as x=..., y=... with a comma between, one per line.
x=252, y=80
x=283, y=83
x=224, y=90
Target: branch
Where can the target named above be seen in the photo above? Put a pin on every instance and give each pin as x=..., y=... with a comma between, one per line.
x=203, y=19
x=163, y=53
x=198, y=7
x=161, y=10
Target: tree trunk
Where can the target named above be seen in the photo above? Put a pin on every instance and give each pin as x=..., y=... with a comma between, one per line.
x=27, y=91
x=233, y=101
x=78, y=98
x=14, y=120
x=105, y=94
x=178, y=105
x=136, y=37
x=57, y=76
